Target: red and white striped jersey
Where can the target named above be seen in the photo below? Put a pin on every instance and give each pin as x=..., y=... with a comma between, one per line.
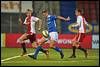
x=81, y=22
x=31, y=26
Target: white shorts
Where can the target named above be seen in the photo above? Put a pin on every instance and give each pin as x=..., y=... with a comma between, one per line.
x=53, y=36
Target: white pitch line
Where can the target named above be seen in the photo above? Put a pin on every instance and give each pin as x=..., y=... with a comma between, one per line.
x=17, y=56
x=10, y=58
x=14, y=57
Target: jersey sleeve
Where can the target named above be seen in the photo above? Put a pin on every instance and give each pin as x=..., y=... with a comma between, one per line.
x=54, y=17
x=79, y=20
x=25, y=21
x=85, y=21
x=35, y=19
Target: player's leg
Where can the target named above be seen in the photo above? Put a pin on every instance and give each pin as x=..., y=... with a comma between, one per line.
x=74, y=43
x=34, y=45
x=81, y=36
x=53, y=43
x=53, y=46
x=42, y=41
x=39, y=48
x=84, y=50
x=73, y=50
x=21, y=41
x=33, y=38
x=77, y=45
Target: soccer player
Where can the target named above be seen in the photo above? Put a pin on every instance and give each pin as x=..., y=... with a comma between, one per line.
x=30, y=35
x=53, y=35
x=81, y=23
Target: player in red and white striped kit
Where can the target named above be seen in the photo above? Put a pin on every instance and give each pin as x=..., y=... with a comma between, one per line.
x=81, y=23
x=30, y=35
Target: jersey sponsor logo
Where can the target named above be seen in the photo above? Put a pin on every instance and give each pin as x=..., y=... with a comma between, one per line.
x=95, y=41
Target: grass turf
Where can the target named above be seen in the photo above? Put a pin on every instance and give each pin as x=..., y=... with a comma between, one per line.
x=53, y=60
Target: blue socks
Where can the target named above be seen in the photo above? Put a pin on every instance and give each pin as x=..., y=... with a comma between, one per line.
x=57, y=49
x=37, y=51
x=39, y=48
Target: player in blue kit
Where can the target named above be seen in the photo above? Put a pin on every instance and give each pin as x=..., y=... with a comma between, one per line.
x=52, y=34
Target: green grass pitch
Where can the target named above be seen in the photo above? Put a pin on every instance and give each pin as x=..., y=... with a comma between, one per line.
x=53, y=60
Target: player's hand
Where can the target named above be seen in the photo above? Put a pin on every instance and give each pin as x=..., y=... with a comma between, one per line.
x=20, y=20
x=39, y=29
x=68, y=18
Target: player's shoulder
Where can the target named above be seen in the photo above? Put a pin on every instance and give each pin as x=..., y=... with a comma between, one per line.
x=26, y=18
x=34, y=17
x=79, y=17
x=53, y=16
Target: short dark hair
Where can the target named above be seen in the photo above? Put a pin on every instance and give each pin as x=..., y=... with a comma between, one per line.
x=44, y=11
x=79, y=10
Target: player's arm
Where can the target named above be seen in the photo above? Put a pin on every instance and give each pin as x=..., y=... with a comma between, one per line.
x=39, y=21
x=23, y=23
x=26, y=23
x=86, y=22
x=75, y=25
x=40, y=24
x=79, y=20
x=62, y=18
x=20, y=20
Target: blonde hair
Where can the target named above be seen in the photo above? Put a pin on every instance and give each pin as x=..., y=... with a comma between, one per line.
x=29, y=10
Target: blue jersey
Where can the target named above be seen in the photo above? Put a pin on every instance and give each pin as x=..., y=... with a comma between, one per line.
x=51, y=23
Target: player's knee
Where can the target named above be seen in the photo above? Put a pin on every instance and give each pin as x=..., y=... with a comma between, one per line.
x=27, y=41
x=19, y=41
x=51, y=46
x=73, y=43
x=39, y=43
x=76, y=44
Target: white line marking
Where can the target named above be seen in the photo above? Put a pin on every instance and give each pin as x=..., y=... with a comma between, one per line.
x=16, y=57
x=10, y=58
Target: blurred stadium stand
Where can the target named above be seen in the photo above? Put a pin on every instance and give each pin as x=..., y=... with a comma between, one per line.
x=10, y=16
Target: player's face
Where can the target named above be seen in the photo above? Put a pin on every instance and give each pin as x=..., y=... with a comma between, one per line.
x=45, y=14
x=28, y=13
x=76, y=13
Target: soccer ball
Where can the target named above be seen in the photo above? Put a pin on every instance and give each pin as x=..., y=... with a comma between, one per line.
x=45, y=33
